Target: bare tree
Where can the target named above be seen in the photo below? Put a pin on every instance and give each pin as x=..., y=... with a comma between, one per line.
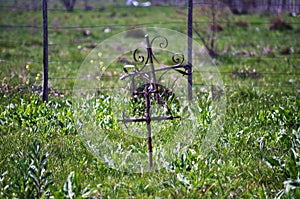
x=217, y=15
x=69, y=4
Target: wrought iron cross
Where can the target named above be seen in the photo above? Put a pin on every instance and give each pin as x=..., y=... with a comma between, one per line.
x=151, y=90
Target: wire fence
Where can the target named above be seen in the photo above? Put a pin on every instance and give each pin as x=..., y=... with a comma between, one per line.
x=290, y=57
x=88, y=5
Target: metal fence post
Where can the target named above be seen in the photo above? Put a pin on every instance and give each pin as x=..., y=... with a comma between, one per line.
x=190, y=47
x=45, y=52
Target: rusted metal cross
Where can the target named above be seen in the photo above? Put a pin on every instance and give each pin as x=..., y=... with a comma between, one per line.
x=151, y=90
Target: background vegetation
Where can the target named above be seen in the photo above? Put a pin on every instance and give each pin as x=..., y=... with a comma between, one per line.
x=256, y=156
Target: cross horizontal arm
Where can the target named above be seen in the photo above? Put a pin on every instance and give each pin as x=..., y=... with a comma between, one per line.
x=144, y=119
x=186, y=67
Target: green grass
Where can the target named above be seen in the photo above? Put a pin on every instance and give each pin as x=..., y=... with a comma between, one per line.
x=257, y=154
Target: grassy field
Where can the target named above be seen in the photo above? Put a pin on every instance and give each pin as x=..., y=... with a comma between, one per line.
x=257, y=154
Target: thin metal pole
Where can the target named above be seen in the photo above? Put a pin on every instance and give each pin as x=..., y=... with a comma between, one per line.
x=150, y=56
x=190, y=47
x=45, y=52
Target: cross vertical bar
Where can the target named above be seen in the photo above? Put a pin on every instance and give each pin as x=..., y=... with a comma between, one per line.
x=45, y=52
x=190, y=47
x=147, y=96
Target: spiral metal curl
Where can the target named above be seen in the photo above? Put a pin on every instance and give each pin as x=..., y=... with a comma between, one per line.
x=163, y=44
x=178, y=59
x=138, y=58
